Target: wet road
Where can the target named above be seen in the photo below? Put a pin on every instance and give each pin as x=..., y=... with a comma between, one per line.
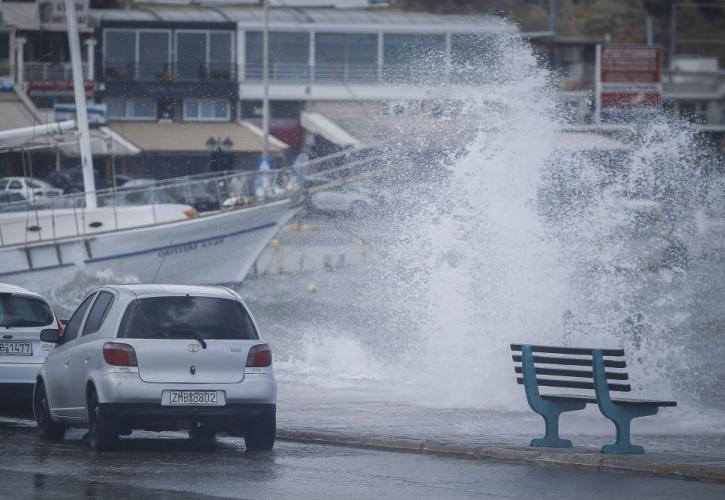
x=169, y=466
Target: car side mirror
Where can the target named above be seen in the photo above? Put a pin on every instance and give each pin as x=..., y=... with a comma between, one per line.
x=50, y=335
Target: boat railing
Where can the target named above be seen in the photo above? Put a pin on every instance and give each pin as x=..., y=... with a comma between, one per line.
x=134, y=206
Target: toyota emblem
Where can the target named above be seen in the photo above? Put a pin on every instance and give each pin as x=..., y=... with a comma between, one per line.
x=193, y=347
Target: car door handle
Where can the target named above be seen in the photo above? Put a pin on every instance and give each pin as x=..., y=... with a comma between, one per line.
x=86, y=358
x=67, y=363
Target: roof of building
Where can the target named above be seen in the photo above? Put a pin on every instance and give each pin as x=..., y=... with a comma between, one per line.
x=22, y=16
x=189, y=137
x=309, y=18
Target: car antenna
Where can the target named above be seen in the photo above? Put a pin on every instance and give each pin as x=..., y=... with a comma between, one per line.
x=156, y=274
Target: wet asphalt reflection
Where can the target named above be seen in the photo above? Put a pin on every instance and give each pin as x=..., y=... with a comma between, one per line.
x=148, y=465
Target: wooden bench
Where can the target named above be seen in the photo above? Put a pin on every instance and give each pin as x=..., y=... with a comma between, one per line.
x=598, y=370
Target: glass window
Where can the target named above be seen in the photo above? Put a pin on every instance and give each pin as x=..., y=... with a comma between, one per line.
x=15, y=184
x=153, y=55
x=119, y=49
x=411, y=58
x=186, y=317
x=71, y=329
x=116, y=108
x=289, y=55
x=16, y=310
x=220, y=56
x=191, y=49
x=206, y=109
x=98, y=312
x=4, y=184
x=474, y=58
x=140, y=108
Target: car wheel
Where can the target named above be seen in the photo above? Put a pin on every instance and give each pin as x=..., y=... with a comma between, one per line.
x=102, y=434
x=49, y=430
x=261, y=433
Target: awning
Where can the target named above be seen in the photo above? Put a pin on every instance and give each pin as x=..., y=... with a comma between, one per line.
x=320, y=124
x=104, y=141
x=16, y=112
x=189, y=137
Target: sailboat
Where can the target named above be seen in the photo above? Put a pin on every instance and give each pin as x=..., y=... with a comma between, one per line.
x=44, y=248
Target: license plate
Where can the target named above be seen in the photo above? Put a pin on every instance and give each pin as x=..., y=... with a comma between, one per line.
x=192, y=398
x=16, y=349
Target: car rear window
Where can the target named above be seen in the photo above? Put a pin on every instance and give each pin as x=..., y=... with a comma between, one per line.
x=186, y=317
x=17, y=310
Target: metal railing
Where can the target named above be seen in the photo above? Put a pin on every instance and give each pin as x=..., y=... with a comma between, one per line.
x=65, y=216
x=33, y=71
x=176, y=72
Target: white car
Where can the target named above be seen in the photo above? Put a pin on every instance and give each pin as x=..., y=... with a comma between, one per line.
x=158, y=357
x=353, y=200
x=23, y=314
x=34, y=190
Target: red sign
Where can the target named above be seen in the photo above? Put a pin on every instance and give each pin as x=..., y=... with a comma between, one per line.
x=631, y=64
x=56, y=87
x=629, y=77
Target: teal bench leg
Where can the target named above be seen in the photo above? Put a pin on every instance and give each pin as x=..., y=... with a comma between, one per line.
x=622, y=416
x=551, y=411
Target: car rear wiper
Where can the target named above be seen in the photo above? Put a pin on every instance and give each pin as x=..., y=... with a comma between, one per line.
x=191, y=333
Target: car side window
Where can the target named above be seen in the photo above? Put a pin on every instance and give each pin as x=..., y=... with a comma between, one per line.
x=98, y=313
x=16, y=185
x=74, y=323
x=4, y=184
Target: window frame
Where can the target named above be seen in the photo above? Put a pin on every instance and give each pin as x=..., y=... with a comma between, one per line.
x=199, y=117
x=207, y=58
x=104, y=314
x=81, y=326
x=171, y=48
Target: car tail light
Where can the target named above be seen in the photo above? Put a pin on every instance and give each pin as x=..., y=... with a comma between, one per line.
x=118, y=354
x=259, y=356
x=191, y=213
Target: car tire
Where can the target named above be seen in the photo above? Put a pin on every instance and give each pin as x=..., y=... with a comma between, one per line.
x=102, y=433
x=49, y=430
x=261, y=433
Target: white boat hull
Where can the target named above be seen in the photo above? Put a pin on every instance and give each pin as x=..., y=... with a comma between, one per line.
x=215, y=249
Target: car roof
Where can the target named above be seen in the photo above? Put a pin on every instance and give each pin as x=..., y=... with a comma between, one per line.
x=18, y=290
x=165, y=290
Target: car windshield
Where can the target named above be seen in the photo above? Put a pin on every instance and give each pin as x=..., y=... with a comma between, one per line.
x=16, y=310
x=186, y=317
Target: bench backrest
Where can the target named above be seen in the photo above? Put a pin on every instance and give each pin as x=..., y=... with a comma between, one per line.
x=568, y=367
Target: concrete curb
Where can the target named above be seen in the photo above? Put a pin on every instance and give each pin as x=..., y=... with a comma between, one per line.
x=646, y=465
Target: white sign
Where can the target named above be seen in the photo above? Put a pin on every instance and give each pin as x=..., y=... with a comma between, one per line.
x=50, y=14
x=97, y=113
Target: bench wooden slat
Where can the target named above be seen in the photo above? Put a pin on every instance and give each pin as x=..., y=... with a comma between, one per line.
x=548, y=360
x=617, y=401
x=574, y=373
x=575, y=384
x=547, y=349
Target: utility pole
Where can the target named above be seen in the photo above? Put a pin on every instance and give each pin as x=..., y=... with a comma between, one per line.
x=265, y=83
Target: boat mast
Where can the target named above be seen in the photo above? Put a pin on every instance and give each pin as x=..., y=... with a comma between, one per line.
x=265, y=82
x=84, y=140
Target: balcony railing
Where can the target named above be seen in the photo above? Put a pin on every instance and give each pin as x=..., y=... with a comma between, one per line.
x=34, y=71
x=178, y=72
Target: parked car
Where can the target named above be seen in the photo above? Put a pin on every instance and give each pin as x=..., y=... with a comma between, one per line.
x=32, y=189
x=353, y=200
x=11, y=201
x=158, y=357
x=23, y=314
x=70, y=180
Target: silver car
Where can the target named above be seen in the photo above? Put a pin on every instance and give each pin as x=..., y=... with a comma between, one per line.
x=158, y=357
x=23, y=314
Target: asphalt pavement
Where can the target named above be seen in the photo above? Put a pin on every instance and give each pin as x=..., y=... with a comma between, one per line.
x=149, y=465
